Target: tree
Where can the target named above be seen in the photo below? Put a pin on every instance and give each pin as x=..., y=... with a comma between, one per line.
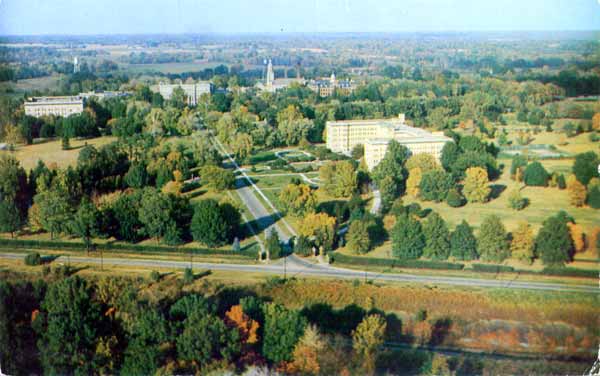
x=320, y=226
x=136, y=177
x=392, y=165
x=298, y=199
x=577, y=236
x=205, y=153
x=241, y=145
x=519, y=162
x=437, y=238
x=282, y=330
x=493, y=240
x=413, y=182
x=143, y=354
x=454, y=198
x=425, y=162
x=209, y=226
x=516, y=201
x=10, y=218
x=388, y=189
x=593, y=197
x=292, y=125
x=577, y=192
x=522, y=245
x=476, y=187
x=273, y=244
x=535, y=175
x=155, y=213
x=86, y=222
x=553, y=242
x=339, y=178
x=435, y=185
x=13, y=183
x=407, y=238
x=247, y=327
x=450, y=153
x=206, y=338
x=72, y=321
x=307, y=352
x=358, y=237
x=585, y=166
x=367, y=340
x=463, y=244
x=217, y=178
x=358, y=151
x=54, y=209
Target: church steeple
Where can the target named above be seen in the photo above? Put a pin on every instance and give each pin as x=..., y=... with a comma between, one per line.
x=270, y=74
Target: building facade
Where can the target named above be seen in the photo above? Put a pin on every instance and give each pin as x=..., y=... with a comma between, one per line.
x=273, y=84
x=375, y=135
x=192, y=91
x=327, y=87
x=59, y=106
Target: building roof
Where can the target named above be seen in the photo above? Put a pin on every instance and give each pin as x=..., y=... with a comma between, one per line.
x=33, y=101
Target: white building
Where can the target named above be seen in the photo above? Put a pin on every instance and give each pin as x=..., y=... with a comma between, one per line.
x=104, y=94
x=343, y=136
x=192, y=91
x=59, y=106
x=273, y=84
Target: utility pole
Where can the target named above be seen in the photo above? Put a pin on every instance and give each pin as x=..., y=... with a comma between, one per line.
x=285, y=268
x=101, y=259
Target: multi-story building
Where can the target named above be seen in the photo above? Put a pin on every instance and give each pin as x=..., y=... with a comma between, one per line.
x=327, y=87
x=104, y=94
x=343, y=136
x=192, y=91
x=60, y=106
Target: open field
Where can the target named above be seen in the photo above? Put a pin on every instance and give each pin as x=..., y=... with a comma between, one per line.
x=31, y=84
x=168, y=67
x=51, y=152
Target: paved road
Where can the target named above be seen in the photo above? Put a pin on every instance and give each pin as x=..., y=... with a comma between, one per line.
x=297, y=267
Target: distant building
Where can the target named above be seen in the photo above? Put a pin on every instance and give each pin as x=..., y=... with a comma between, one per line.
x=192, y=91
x=273, y=84
x=75, y=65
x=375, y=135
x=327, y=87
x=60, y=106
x=104, y=94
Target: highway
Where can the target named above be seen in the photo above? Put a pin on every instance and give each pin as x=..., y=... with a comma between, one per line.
x=297, y=267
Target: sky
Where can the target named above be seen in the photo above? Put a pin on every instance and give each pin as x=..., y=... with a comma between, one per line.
x=79, y=17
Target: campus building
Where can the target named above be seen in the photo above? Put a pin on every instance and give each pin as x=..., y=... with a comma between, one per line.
x=59, y=106
x=101, y=94
x=343, y=136
x=273, y=84
x=327, y=87
x=192, y=91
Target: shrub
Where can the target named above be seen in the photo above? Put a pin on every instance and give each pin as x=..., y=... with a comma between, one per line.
x=491, y=268
x=516, y=201
x=391, y=263
x=455, y=199
x=188, y=276
x=536, y=175
x=155, y=276
x=33, y=259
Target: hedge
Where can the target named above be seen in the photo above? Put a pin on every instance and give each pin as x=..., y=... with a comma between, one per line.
x=491, y=268
x=570, y=272
x=33, y=259
x=396, y=263
x=48, y=244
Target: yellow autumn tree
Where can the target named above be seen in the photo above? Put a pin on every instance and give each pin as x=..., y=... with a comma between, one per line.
x=306, y=352
x=596, y=121
x=523, y=243
x=248, y=328
x=476, y=187
x=320, y=226
x=413, y=182
x=576, y=190
x=298, y=199
x=578, y=236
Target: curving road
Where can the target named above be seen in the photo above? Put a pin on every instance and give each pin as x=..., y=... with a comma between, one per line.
x=297, y=267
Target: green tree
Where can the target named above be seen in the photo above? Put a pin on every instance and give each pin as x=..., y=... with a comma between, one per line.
x=493, y=240
x=435, y=185
x=208, y=224
x=54, y=210
x=143, y=355
x=454, y=198
x=450, y=153
x=518, y=162
x=388, y=189
x=407, y=238
x=585, y=166
x=86, y=222
x=367, y=339
x=553, y=243
x=10, y=218
x=392, y=165
x=476, y=187
x=217, y=178
x=298, y=199
x=516, y=201
x=292, y=125
x=536, y=175
x=338, y=178
x=358, y=240
x=72, y=320
x=425, y=162
x=593, y=198
x=136, y=177
x=273, y=244
x=437, y=238
x=463, y=244
x=155, y=213
x=282, y=330
x=206, y=338
x=13, y=183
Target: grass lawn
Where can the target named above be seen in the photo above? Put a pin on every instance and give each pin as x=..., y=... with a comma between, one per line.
x=169, y=67
x=29, y=85
x=51, y=152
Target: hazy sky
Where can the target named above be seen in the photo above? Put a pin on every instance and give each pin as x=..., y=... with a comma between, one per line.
x=233, y=16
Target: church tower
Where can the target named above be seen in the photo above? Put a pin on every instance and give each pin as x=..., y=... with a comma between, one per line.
x=270, y=74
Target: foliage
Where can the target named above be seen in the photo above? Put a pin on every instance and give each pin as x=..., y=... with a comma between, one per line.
x=476, y=187
x=308, y=351
x=585, y=166
x=423, y=161
x=320, y=226
x=553, y=242
x=298, y=199
x=463, y=244
x=273, y=244
x=214, y=224
x=454, y=198
x=493, y=240
x=535, y=175
x=413, y=182
x=435, y=185
x=516, y=201
x=86, y=222
x=522, y=246
x=437, y=238
x=10, y=218
x=367, y=339
x=338, y=178
x=408, y=240
x=357, y=238
x=217, y=178
x=247, y=327
x=282, y=330
x=33, y=259
x=577, y=192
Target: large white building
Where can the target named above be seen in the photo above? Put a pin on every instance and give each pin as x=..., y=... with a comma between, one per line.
x=327, y=87
x=192, y=91
x=343, y=136
x=59, y=106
